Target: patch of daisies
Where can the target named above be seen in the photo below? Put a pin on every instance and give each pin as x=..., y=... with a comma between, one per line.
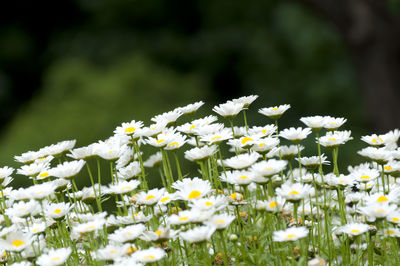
x=262, y=202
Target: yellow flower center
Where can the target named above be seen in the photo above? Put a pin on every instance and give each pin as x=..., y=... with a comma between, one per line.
x=130, y=130
x=273, y=204
x=150, y=197
x=208, y=203
x=17, y=243
x=261, y=144
x=55, y=258
x=149, y=257
x=194, y=194
x=395, y=219
x=90, y=227
x=164, y=199
x=355, y=231
x=382, y=199
x=183, y=218
x=57, y=211
x=160, y=140
x=332, y=139
x=219, y=222
x=275, y=108
x=264, y=131
x=294, y=192
x=125, y=188
x=246, y=139
x=192, y=127
x=365, y=177
x=387, y=168
x=390, y=232
x=173, y=144
x=291, y=236
x=44, y=174
x=215, y=138
x=380, y=210
x=113, y=251
x=244, y=177
x=158, y=232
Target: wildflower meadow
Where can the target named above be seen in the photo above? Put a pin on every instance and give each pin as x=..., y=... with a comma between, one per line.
x=253, y=198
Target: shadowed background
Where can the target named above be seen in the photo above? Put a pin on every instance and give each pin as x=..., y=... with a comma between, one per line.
x=84, y=67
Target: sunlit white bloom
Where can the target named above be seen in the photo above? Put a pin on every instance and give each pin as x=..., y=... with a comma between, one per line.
x=111, y=252
x=67, y=170
x=336, y=138
x=153, y=160
x=40, y=191
x=130, y=128
x=208, y=129
x=32, y=169
x=294, y=191
x=390, y=139
x=124, y=187
x=58, y=148
x=16, y=241
x=82, y=152
x=315, y=122
x=175, y=142
x=166, y=198
x=217, y=137
x=229, y=109
x=109, y=151
x=131, y=170
x=237, y=177
x=220, y=221
x=90, y=226
x=188, y=216
x=161, y=234
x=353, y=229
x=392, y=167
x=391, y=232
x=198, y=234
x=208, y=203
x=241, y=161
x=23, y=209
x=168, y=118
x=269, y=168
x=271, y=204
x=290, y=234
x=190, y=189
x=373, y=140
x=199, y=154
x=264, y=131
x=126, y=157
x=127, y=233
x=54, y=257
x=333, y=123
x=150, y=197
x=244, y=142
x=162, y=139
x=149, y=255
x=245, y=100
x=190, y=108
x=313, y=161
x=339, y=181
x=274, y=112
x=295, y=134
x=289, y=152
x=153, y=129
x=5, y=172
x=57, y=210
x=28, y=156
x=365, y=175
x=394, y=217
x=379, y=155
x=265, y=144
x=377, y=210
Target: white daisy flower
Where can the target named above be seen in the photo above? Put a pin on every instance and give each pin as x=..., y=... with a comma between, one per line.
x=111, y=252
x=336, y=138
x=16, y=241
x=295, y=134
x=313, y=162
x=198, y=234
x=131, y=170
x=245, y=100
x=24, y=209
x=89, y=226
x=377, y=210
x=33, y=169
x=5, y=172
x=394, y=217
x=294, y=191
x=150, y=197
x=128, y=233
x=365, y=174
x=161, y=234
x=241, y=161
x=208, y=129
x=57, y=210
x=209, y=203
x=274, y=112
x=190, y=108
x=67, y=170
x=153, y=129
x=83, y=152
x=199, y=154
x=288, y=152
x=333, y=123
x=217, y=137
x=269, y=168
x=237, y=177
x=391, y=138
x=124, y=187
x=290, y=234
x=264, y=131
x=316, y=123
x=271, y=204
x=149, y=255
x=220, y=221
x=54, y=257
x=28, y=157
x=265, y=145
x=130, y=128
x=373, y=140
x=167, y=118
x=229, y=109
x=58, y=148
x=353, y=229
x=175, y=142
x=379, y=155
x=153, y=160
x=191, y=189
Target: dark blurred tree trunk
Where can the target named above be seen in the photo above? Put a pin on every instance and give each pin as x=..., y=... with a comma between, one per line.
x=373, y=36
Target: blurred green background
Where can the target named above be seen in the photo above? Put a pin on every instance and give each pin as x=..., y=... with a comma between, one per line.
x=84, y=68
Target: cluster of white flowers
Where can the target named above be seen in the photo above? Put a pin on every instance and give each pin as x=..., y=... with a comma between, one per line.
x=261, y=189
